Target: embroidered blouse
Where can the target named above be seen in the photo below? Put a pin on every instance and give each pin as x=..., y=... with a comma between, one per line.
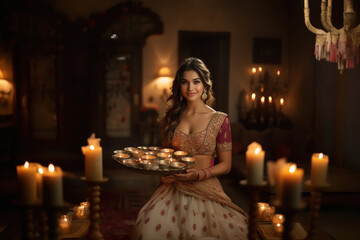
x=216, y=137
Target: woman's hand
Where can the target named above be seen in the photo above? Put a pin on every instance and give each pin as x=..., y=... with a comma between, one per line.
x=189, y=175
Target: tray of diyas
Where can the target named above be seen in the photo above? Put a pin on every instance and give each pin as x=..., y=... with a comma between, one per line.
x=154, y=160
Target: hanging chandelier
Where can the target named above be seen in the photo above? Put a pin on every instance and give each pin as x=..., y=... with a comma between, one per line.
x=339, y=46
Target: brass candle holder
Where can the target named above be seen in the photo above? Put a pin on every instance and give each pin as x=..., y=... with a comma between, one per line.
x=315, y=203
x=94, y=229
x=254, y=199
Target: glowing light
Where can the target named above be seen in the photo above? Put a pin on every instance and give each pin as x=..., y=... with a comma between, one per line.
x=113, y=36
x=262, y=99
x=257, y=150
x=51, y=168
x=278, y=73
x=292, y=168
x=253, y=70
x=270, y=99
x=321, y=156
x=92, y=147
x=41, y=171
x=281, y=101
x=26, y=165
x=260, y=69
x=253, y=96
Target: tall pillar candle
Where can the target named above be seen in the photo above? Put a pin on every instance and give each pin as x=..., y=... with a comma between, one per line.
x=93, y=159
x=289, y=192
x=319, y=166
x=53, y=186
x=26, y=175
x=255, y=164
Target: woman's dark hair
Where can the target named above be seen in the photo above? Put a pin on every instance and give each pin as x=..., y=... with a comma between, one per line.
x=171, y=119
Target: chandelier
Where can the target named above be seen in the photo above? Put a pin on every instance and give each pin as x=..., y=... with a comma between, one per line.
x=339, y=46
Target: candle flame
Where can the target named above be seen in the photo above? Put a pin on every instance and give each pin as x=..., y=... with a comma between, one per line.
x=321, y=155
x=280, y=217
x=278, y=73
x=92, y=147
x=292, y=168
x=253, y=70
x=260, y=69
x=26, y=165
x=253, y=96
x=257, y=150
x=270, y=99
x=262, y=99
x=278, y=224
x=281, y=101
x=41, y=171
x=51, y=168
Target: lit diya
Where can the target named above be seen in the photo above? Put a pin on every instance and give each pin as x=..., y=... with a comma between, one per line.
x=167, y=150
x=164, y=155
x=130, y=162
x=143, y=148
x=148, y=157
x=177, y=165
x=188, y=160
x=180, y=154
x=153, y=148
x=164, y=164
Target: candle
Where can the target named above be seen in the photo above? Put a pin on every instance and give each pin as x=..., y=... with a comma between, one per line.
x=268, y=213
x=277, y=222
x=53, y=186
x=80, y=212
x=261, y=207
x=253, y=96
x=64, y=223
x=270, y=99
x=289, y=191
x=255, y=164
x=93, y=159
x=319, y=166
x=26, y=176
x=253, y=70
x=281, y=101
x=260, y=69
x=262, y=99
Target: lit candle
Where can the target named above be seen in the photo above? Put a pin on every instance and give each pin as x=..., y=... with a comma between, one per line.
x=255, y=164
x=26, y=176
x=270, y=99
x=278, y=73
x=319, y=166
x=64, y=223
x=262, y=100
x=281, y=101
x=79, y=212
x=253, y=96
x=277, y=222
x=93, y=159
x=253, y=70
x=260, y=69
x=53, y=186
x=289, y=191
x=261, y=207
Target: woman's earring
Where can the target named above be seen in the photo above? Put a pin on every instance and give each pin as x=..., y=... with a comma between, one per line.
x=204, y=96
x=181, y=98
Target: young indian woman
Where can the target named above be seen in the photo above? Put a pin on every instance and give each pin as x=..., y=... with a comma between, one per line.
x=193, y=205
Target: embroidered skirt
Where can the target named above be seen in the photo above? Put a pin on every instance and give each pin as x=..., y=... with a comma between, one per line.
x=174, y=214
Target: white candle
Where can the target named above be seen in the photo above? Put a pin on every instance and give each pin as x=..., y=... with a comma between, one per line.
x=64, y=223
x=93, y=159
x=255, y=164
x=319, y=166
x=53, y=186
x=261, y=208
x=289, y=191
x=26, y=175
x=277, y=222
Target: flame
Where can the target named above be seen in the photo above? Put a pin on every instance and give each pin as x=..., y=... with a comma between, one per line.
x=278, y=224
x=281, y=101
x=41, y=171
x=257, y=150
x=26, y=165
x=92, y=147
x=262, y=99
x=51, y=168
x=278, y=73
x=253, y=70
x=280, y=217
x=292, y=168
x=260, y=69
x=253, y=96
x=270, y=99
x=321, y=156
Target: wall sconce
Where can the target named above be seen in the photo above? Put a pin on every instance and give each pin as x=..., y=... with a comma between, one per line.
x=5, y=92
x=164, y=77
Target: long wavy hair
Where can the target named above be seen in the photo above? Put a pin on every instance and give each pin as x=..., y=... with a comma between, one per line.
x=176, y=104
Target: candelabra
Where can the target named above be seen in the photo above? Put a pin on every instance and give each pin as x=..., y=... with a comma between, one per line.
x=254, y=199
x=94, y=231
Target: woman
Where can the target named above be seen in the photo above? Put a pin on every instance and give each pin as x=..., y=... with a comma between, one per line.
x=193, y=205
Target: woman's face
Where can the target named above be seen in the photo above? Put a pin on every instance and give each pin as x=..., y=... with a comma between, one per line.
x=191, y=86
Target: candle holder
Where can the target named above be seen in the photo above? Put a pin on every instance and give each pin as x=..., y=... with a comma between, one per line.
x=50, y=221
x=289, y=213
x=94, y=231
x=254, y=199
x=315, y=203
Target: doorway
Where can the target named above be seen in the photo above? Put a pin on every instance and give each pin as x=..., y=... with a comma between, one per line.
x=213, y=49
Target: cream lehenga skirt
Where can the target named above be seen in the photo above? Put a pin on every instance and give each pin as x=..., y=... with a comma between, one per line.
x=190, y=210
